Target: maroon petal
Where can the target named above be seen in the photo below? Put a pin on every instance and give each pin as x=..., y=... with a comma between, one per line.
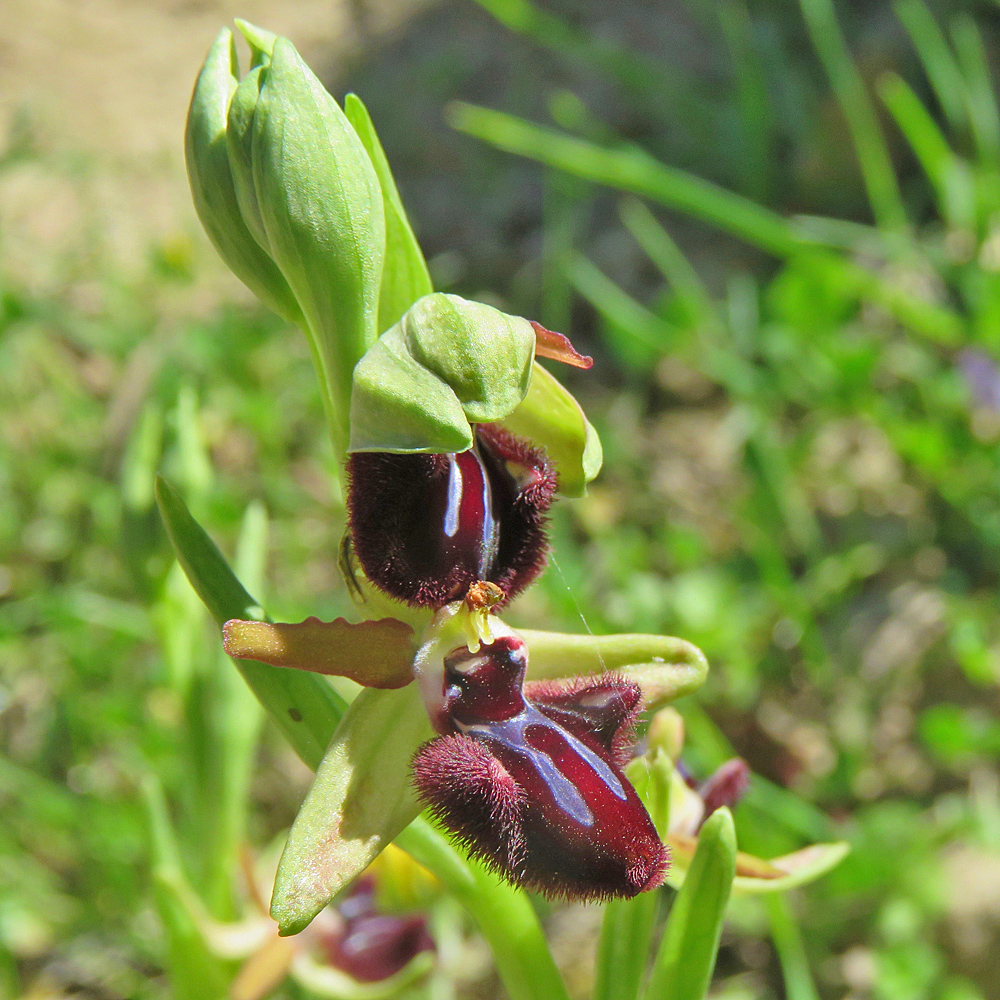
x=426, y=527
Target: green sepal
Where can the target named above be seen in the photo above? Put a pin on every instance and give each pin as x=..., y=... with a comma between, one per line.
x=212, y=183
x=686, y=956
x=359, y=801
x=405, y=277
x=549, y=416
x=303, y=705
x=447, y=364
x=664, y=667
x=321, y=207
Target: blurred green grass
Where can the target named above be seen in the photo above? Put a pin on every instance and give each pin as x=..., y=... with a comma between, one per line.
x=802, y=477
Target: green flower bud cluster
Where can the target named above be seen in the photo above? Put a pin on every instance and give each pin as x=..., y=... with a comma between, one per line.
x=297, y=196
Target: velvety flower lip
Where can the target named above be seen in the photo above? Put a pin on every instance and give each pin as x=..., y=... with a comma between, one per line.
x=529, y=777
x=425, y=527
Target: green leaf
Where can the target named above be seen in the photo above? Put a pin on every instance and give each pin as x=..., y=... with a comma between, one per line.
x=405, y=277
x=321, y=208
x=623, y=946
x=304, y=706
x=634, y=170
x=195, y=973
x=939, y=64
x=360, y=800
x=630, y=169
x=686, y=956
x=550, y=416
x=665, y=668
x=446, y=364
x=952, y=180
x=212, y=185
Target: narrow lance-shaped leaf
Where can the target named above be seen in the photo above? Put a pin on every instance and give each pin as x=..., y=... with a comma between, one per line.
x=303, y=705
x=664, y=667
x=405, y=277
x=631, y=169
x=212, y=187
x=505, y=915
x=195, y=974
x=686, y=956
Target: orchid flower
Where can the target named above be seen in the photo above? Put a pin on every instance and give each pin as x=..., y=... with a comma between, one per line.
x=454, y=442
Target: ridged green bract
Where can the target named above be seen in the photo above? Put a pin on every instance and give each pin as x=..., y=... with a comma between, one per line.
x=447, y=364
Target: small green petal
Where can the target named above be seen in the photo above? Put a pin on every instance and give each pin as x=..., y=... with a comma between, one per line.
x=447, y=364
x=796, y=869
x=360, y=800
x=549, y=416
x=755, y=875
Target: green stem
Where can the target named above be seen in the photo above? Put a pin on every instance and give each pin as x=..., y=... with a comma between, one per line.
x=791, y=951
x=623, y=948
x=504, y=914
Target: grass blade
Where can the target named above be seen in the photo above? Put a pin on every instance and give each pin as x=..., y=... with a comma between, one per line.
x=686, y=957
x=938, y=61
x=979, y=96
x=945, y=170
x=869, y=142
x=631, y=169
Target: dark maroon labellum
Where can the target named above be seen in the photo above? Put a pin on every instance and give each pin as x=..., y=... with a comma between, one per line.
x=373, y=946
x=530, y=779
x=426, y=527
